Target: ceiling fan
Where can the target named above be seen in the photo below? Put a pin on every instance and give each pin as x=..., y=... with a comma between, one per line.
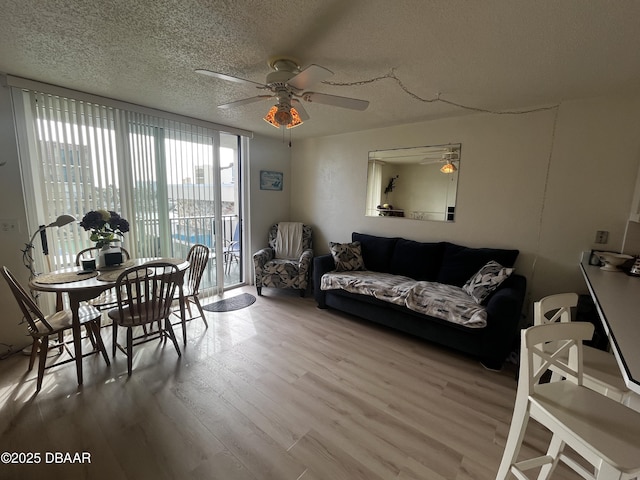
x=442, y=154
x=287, y=85
x=447, y=157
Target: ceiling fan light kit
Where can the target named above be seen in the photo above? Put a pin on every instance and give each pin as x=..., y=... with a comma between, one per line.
x=277, y=117
x=448, y=167
x=287, y=83
x=448, y=157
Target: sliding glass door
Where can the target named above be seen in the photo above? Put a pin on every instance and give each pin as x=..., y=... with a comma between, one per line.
x=177, y=184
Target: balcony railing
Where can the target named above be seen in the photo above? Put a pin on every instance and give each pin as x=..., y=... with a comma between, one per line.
x=187, y=231
x=200, y=229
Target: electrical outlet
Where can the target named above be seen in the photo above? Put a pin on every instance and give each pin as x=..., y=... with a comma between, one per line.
x=602, y=236
x=9, y=225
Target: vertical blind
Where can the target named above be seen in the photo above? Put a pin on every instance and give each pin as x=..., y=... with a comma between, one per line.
x=75, y=166
x=374, y=187
x=91, y=156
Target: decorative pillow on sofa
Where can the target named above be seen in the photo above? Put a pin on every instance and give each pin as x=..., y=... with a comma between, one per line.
x=460, y=263
x=347, y=256
x=486, y=280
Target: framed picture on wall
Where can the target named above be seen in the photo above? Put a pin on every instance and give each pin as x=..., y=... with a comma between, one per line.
x=270, y=180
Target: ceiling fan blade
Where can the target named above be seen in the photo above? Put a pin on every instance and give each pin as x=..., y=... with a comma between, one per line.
x=245, y=101
x=229, y=78
x=344, y=102
x=309, y=76
x=439, y=155
x=295, y=103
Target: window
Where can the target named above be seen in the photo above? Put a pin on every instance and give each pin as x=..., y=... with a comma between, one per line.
x=176, y=182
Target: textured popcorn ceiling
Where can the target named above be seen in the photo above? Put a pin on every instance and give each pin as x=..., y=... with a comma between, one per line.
x=494, y=54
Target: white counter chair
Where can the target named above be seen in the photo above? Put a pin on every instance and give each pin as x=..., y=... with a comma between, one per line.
x=601, y=371
x=602, y=431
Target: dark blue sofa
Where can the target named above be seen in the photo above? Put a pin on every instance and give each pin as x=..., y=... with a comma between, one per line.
x=441, y=262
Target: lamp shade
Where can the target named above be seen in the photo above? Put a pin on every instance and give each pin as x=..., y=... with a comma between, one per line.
x=448, y=168
x=62, y=220
x=279, y=117
x=27, y=253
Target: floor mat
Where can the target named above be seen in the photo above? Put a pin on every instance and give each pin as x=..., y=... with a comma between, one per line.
x=232, y=303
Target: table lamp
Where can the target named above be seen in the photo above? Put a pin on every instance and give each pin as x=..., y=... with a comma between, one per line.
x=27, y=256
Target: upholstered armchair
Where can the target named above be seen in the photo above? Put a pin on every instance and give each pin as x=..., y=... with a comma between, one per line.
x=281, y=266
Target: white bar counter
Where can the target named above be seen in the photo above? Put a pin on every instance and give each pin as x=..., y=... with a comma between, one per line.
x=617, y=299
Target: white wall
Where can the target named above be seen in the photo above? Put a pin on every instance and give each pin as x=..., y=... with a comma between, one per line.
x=11, y=208
x=504, y=199
x=591, y=184
x=267, y=206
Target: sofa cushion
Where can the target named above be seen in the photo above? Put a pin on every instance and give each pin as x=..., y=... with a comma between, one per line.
x=376, y=251
x=347, y=256
x=420, y=261
x=486, y=280
x=460, y=263
x=445, y=302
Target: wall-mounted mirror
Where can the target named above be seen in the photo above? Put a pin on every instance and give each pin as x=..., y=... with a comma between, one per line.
x=419, y=183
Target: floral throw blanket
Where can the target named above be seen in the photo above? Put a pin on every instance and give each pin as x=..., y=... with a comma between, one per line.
x=438, y=300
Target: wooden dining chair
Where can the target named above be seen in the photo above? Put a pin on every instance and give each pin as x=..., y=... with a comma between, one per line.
x=605, y=433
x=43, y=327
x=145, y=294
x=601, y=371
x=198, y=257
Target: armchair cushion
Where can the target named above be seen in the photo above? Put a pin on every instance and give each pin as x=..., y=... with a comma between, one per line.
x=289, y=240
x=283, y=273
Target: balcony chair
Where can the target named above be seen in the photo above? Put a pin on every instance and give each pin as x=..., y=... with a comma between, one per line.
x=231, y=251
x=55, y=325
x=605, y=433
x=601, y=371
x=156, y=283
x=286, y=262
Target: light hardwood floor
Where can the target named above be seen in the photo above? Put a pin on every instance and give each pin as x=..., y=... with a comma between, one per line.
x=279, y=390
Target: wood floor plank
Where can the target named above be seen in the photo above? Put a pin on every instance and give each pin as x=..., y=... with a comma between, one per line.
x=279, y=390
x=265, y=413
x=326, y=461
x=258, y=452
x=381, y=431
x=222, y=466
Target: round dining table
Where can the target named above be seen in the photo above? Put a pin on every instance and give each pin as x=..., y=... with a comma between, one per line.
x=80, y=286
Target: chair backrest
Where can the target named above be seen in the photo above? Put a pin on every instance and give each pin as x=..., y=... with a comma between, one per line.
x=234, y=246
x=198, y=257
x=91, y=252
x=307, y=236
x=145, y=292
x=536, y=359
x=554, y=308
x=32, y=314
